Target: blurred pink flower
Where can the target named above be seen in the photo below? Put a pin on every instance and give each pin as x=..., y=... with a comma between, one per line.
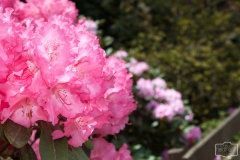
x=121, y=54
x=91, y=26
x=159, y=83
x=192, y=136
x=172, y=95
x=164, y=154
x=163, y=111
x=217, y=158
x=189, y=116
x=165, y=102
x=145, y=88
x=137, y=68
x=231, y=110
x=151, y=105
x=104, y=150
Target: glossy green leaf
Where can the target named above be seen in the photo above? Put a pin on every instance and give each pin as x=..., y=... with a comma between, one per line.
x=52, y=149
x=2, y=136
x=16, y=134
x=70, y=155
x=89, y=144
x=27, y=153
x=5, y=148
x=77, y=154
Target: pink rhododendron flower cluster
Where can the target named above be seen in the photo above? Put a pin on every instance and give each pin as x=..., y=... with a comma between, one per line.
x=104, y=150
x=43, y=10
x=7, y=3
x=52, y=67
x=137, y=68
x=192, y=136
x=165, y=102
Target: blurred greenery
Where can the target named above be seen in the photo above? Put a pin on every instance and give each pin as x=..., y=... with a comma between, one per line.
x=195, y=43
x=208, y=125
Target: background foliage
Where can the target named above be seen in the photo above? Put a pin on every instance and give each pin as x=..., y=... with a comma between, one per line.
x=195, y=43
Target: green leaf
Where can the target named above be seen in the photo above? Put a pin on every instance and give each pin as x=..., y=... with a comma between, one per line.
x=52, y=149
x=2, y=136
x=108, y=40
x=77, y=154
x=89, y=144
x=27, y=153
x=71, y=156
x=5, y=149
x=16, y=134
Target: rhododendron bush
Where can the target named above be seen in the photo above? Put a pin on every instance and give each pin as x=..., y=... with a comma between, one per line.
x=58, y=90
x=162, y=120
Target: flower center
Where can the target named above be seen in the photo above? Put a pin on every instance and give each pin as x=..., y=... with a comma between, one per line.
x=51, y=46
x=27, y=109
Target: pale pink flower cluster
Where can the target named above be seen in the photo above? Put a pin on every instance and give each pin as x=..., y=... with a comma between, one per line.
x=104, y=150
x=231, y=110
x=91, y=26
x=189, y=116
x=137, y=68
x=165, y=102
x=192, y=136
x=51, y=67
x=218, y=158
x=121, y=54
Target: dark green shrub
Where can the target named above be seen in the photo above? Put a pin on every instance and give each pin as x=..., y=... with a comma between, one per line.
x=195, y=43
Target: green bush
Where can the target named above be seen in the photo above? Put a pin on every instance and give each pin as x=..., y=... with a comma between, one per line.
x=196, y=43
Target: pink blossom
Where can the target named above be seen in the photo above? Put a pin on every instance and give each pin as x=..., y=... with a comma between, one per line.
x=4, y=71
x=34, y=142
x=172, y=95
x=160, y=93
x=192, y=136
x=159, y=83
x=166, y=103
x=217, y=158
x=7, y=3
x=24, y=111
x=189, y=116
x=118, y=94
x=145, y=88
x=177, y=106
x=164, y=154
x=121, y=54
x=35, y=147
x=82, y=126
x=108, y=152
x=231, y=110
x=163, y=111
x=91, y=26
x=45, y=9
x=136, y=67
x=51, y=67
x=152, y=105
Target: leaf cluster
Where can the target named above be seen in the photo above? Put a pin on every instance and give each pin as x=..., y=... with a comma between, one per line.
x=14, y=143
